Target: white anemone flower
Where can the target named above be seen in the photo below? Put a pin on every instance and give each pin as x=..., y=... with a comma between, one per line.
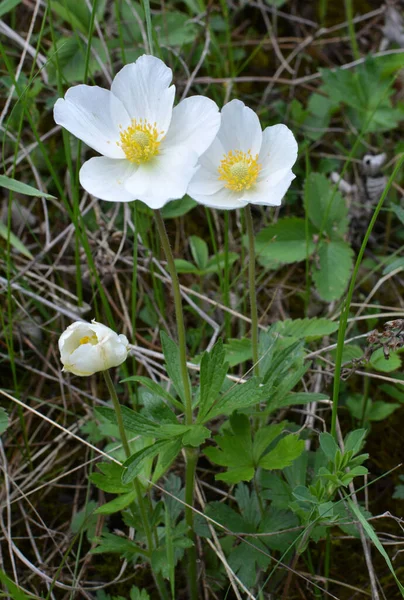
x=149, y=149
x=86, y=348
x=245, y=164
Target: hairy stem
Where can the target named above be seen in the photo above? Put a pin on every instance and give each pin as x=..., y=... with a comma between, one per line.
x=251, y=285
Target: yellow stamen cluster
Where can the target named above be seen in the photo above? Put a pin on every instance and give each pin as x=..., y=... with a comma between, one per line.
x=140, y=141
x=239, y=170
x=87, y=339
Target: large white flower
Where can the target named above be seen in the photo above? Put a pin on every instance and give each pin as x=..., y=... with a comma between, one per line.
x=245, y=164
x=150, y=149
x=86, y=348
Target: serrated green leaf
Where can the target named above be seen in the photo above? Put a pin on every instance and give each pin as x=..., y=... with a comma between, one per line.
x=294, y=398
x=173, y=364
x=325, y=206
x=133, y=464
x=22, y=188
x=285, y=452
x=109, y=542
x=283, y=242
x=117, y=504
x=334, y=269
x=239, y=397
x=110, y=479
x=195, y=436
x=238, y=351
x=16, y=593
x=212, y=374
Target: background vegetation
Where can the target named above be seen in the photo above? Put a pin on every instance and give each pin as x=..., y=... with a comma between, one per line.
x=333, y=72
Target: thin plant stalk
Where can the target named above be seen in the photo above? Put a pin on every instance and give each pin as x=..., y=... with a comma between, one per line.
x=251, y=285
x=345, y=311
x=142, y=507
x=190, y=453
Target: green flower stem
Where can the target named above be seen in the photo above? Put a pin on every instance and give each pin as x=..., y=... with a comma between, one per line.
x=251, y=283
x=191, y=454
x=125, y=444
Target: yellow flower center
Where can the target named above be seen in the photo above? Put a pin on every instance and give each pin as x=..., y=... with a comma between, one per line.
x=140, y=141
x=89, y=339
x=239, y=170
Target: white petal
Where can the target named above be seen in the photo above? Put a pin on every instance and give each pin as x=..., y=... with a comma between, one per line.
x=205, y=182
x=164, y=178
x=105, y=178
x=195, y=123
x=278, y=152
x=143, y=88
x=94, y=115
x=223, y=199
x=240, y=128
x=267, y=194
x=70, y=338
x=86, y=360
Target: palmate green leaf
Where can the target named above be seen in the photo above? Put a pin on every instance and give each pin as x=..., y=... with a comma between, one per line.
x=247, y=559
x=238, y=397
x=370, y=532
x=285, y=452
x=284, y=242
x=242, y=455
x=22, y=188
x=310, y=329
x=110, y=479
x=334, y=269
x=212, y=374
x=109, y=542
x=325, y=206
x=173, y=364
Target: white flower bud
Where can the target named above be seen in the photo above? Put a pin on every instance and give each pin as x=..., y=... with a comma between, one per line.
x=86, y=348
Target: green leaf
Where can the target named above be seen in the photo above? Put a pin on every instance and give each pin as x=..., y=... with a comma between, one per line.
x=335, y=264
x=283, y=242
x=195, y=436
x=7, y=5
x=247, y=560
x=178, y=208
x=325, y=206
x=354, y=440
x=306, y=328
x=238, y=351
x=173, y=364
x=199, y=251
x=155, y=388
x=16, y=593
x=77, y=13
x=3, y=420
x=380, y=363
x=234, y=451
x=217, y=263
x=264, y=437
x=14, y=241
x=133, y=464
x=184, y=266
x=294, y=398
x=109, y=542
x=71, y=58
x=285, y=452
x=137, y=594
x=238, y=397
x=110, y=479
x=22, y=188
x=379, y=411
x=212, y=374
x=328, y=445
x=398, y=211
x=117, y=504
x=372, y=535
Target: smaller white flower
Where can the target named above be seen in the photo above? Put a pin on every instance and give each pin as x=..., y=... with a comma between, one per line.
x=86, y=348
x=245, y=164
